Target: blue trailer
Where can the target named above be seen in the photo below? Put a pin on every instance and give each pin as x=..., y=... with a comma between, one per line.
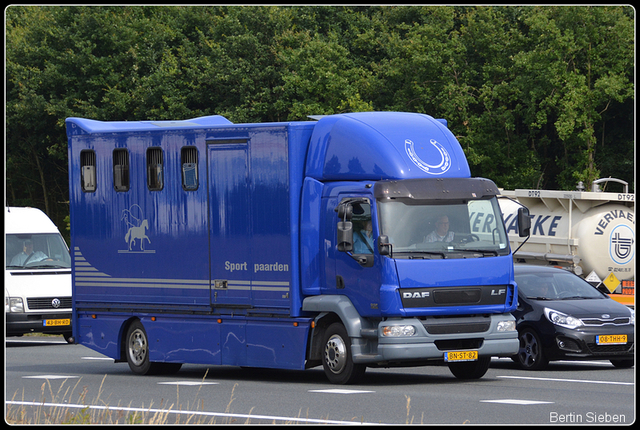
x=287, y=245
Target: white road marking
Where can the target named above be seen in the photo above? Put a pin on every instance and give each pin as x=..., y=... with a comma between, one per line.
x=584, y=381
x=187, y=383
x=50, y=377
x=340, y=391
x=96, y=358
x=516, y=402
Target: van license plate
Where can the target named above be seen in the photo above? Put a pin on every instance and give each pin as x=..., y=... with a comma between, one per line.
x=611, y=339
x=460, y=356
x=50, y=323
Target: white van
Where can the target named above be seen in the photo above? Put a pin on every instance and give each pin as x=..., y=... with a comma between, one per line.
x=37, y=275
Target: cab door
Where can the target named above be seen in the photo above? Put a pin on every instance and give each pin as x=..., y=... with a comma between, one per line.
x=358, y=273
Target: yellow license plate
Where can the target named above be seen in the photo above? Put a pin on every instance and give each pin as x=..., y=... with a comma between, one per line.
x=460, y=356
x=50, y=323
x=611, y=339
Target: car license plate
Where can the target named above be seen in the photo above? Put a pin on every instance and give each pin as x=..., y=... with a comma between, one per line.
x=611, y=339
x=460, y=356
x=50, y=323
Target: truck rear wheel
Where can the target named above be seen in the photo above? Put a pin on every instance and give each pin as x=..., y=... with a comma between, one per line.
x=336, y=357
x=470, y=369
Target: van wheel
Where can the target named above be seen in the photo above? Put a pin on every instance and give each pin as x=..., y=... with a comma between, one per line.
x=68, y=337
x=336, y=357
x=470, y=369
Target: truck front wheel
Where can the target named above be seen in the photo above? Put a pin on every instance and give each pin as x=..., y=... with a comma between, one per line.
x=336, y=357
x=470, y=369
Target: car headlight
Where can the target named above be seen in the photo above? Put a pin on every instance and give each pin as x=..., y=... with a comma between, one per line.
x=561, y=319
x=13, y=304
x=398, y=330
x=632, y=318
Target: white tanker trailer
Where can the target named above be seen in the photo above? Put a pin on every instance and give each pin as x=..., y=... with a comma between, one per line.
x=591, y=233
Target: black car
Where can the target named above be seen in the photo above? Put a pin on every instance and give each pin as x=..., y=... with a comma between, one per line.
x=560, y=316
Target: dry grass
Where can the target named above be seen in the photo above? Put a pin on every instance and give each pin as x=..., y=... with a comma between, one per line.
x=65, y=407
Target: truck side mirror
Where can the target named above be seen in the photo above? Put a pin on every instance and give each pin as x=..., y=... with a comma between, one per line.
x=384, y=246
x=345, y=236
x=524, y=222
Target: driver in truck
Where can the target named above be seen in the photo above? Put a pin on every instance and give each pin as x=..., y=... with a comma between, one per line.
x=442, y=232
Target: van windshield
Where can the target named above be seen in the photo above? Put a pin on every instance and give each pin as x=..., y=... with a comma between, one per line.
x=36, y=251
x=451, y=229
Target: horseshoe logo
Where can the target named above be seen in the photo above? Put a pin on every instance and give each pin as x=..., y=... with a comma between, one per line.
x=437, y=169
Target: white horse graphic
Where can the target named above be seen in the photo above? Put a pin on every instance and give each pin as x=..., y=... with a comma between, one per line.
x=137, y=233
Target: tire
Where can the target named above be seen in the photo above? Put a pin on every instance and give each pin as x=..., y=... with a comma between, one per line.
x=470, y=369
x=68, y=337
x=530, y=355
x=336, y=357
x=622, y=363
x=137, y=351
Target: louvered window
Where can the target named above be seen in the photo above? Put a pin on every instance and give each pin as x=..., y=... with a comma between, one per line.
x=189, y=161
x=88, y=171
x=155, y=169
x=121, y=170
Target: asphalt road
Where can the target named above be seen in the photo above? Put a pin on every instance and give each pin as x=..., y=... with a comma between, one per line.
x=45, y=377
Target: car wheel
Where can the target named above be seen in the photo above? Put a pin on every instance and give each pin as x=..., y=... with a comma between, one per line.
x=336, y=357
x=530, y=355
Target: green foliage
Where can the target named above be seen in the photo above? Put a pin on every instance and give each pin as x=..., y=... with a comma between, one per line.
x=539, y=97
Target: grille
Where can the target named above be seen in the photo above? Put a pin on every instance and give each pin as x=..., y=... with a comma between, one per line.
x=459, y=325
x=444, y=297
x=46, y=303
x=453, y=344
x=598, y=322
x=603, y=349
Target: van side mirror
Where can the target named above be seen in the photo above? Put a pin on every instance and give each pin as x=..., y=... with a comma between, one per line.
x=345, y=236
x=524, y=222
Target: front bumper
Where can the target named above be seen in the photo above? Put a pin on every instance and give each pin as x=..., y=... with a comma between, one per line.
x=432, y=341
x=581, y=344
x=23, y=323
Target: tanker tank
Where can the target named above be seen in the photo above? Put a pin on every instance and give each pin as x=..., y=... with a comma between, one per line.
x=590, y=233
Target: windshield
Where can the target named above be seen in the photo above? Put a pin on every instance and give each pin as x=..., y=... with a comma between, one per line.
x=457, y=229
x=555, y=286
x=29, y=251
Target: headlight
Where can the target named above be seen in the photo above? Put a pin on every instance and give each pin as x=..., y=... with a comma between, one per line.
x=506, y=326
x=632, y=319
x=398, y=330
x=563, y=320
x=13, y=304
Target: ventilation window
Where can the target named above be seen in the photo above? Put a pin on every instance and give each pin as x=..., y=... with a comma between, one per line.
x=155, y=170
x=121, y=170
x=88, y=171
x=189, y=161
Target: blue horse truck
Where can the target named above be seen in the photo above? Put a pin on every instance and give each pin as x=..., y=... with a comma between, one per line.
x=287, y=245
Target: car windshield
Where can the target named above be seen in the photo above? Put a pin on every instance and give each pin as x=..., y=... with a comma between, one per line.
x=455, y=229
x=560, y=285
x=29, y=251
